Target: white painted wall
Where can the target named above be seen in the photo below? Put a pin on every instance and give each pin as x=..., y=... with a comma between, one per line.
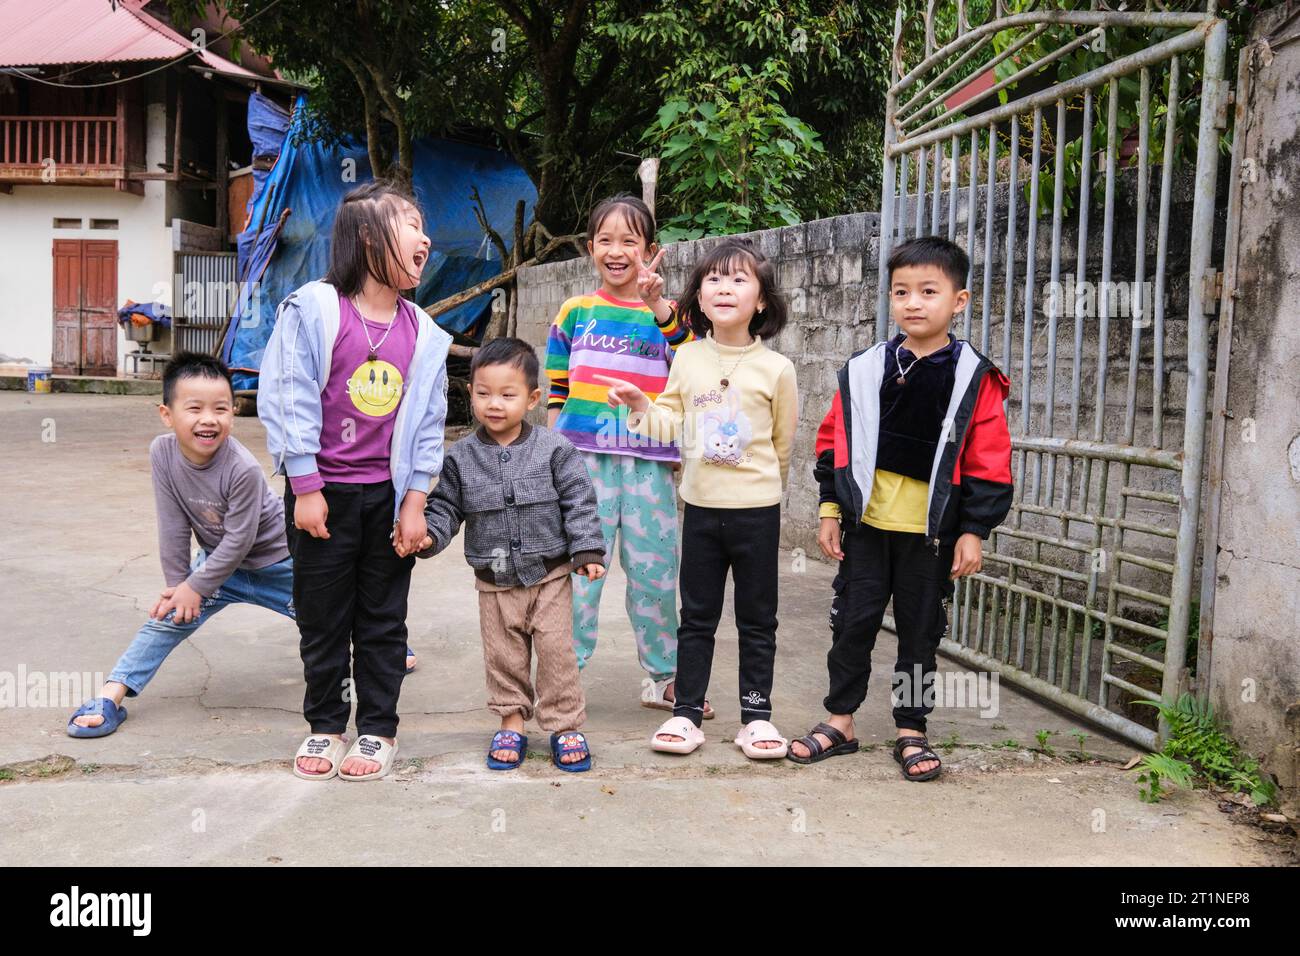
x=27, y=234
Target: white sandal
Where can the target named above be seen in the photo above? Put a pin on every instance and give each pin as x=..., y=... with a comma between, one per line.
x=691, y=736
x=371, y=748
x=757, y=731
x=327, y=748
x=659, y=703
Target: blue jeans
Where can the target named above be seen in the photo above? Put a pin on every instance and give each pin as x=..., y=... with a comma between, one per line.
x=269, y=587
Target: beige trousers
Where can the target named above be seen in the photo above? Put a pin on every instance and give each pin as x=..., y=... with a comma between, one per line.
x=516, y=622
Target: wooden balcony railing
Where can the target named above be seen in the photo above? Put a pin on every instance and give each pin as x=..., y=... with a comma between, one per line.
x=68, y=147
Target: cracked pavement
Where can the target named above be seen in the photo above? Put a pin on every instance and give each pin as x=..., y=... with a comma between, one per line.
x=199, y=773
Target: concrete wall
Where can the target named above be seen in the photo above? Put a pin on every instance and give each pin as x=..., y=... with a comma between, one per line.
x=27, y=234
x=828, y=271
x=1255, y=677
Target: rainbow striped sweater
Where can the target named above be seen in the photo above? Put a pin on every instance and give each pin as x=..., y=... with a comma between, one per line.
x=597, y=334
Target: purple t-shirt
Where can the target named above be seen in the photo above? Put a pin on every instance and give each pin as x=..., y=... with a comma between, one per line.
x=360, y=400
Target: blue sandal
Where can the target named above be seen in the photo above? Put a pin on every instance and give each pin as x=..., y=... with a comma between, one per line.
x=112, y=713
x=507, y=740
x=571, y=742
x=410, y=668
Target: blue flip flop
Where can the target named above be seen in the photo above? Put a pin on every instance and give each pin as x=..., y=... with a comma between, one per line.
x=507, y=740
x=112, y=713
x=571, y=742
x=410, y=653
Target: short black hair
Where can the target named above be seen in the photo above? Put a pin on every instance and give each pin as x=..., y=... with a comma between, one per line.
x=364, y=239
x=192, y=365
x=633, y=210
x=724, y=259
x=947, y=256
x=507, y=351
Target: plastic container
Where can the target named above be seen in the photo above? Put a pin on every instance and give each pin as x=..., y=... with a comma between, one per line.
x=38, y=379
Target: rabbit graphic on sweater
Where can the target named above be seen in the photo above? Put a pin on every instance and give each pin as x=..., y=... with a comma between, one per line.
x=725, y=437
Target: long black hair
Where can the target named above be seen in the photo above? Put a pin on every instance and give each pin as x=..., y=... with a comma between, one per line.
x=731, y=254
x=364, y=241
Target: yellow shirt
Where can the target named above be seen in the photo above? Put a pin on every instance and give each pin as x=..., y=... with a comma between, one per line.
x=897, y=504
x=736, y=440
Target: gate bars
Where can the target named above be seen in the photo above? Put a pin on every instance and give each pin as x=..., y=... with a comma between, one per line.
x=1069, y=624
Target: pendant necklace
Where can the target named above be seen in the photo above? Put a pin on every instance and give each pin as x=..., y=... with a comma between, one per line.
x=726, y=376
x=902, y=373
x=374, y=346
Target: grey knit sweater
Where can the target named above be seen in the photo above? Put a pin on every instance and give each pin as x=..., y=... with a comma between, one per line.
x=527, y=507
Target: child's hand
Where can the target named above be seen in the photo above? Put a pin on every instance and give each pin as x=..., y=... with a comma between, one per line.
x=592, y=572
x=162, y=599
x=426, y=544
x=411, y=527
x=309, y=514
x=624, y=393
x=184, y=600
x=967, y=556
x=828, y=538
x=649, y=283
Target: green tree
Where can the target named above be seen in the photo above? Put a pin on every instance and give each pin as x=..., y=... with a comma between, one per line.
x=768, y=109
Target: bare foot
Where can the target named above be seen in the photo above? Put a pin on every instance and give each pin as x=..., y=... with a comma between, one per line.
x=575, y=756
x=360, y=766
x=515, y=725
x=114, y=692
x=317, y=765
x=923, y=766
x=841, y=722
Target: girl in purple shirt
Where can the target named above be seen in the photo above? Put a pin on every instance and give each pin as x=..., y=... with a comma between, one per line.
x=353, y=395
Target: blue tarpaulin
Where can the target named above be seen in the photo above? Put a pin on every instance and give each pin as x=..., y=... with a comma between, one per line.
x=309, y=180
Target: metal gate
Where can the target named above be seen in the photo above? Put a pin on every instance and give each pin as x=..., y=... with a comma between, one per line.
x=1086, y=592
x=203, y=300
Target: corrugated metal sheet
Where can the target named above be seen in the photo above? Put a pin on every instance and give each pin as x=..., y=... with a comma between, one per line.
x=91, y=31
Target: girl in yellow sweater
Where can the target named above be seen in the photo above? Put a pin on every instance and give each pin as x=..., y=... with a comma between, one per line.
x=732, y=403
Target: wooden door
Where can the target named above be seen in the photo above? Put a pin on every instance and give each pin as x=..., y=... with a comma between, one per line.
x=85, y=307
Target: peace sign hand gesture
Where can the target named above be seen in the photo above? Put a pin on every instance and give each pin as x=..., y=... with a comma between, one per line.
x=649, y=283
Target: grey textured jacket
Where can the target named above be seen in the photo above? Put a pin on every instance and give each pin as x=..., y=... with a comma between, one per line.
x=527, y=507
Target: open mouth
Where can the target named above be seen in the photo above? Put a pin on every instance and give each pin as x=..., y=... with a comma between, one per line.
x=419, y=259
x=616, y=268
x=206, y=436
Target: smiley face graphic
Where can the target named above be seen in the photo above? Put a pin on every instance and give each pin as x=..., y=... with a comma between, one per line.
x=375, y=388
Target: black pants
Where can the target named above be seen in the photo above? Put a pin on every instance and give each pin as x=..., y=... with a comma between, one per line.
x=350, y=593
x=877, y=565
x=746, y=540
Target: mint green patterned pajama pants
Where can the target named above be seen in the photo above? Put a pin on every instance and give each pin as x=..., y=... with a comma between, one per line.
x=638, y=504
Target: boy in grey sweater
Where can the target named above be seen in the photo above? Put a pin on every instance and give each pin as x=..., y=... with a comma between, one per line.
x=530, y=517
x=208, y=484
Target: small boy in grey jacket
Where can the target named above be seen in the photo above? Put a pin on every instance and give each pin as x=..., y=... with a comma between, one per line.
x=529, y=510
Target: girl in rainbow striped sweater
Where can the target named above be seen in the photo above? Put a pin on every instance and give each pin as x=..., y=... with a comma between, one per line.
x=625, y=329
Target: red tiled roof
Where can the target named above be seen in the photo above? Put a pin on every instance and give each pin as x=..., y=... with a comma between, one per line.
x=93, y=31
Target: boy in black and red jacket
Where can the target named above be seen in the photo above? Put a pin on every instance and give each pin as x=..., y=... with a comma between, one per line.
x=915, y=450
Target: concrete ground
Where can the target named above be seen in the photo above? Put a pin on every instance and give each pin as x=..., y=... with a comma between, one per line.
x=200, y=771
